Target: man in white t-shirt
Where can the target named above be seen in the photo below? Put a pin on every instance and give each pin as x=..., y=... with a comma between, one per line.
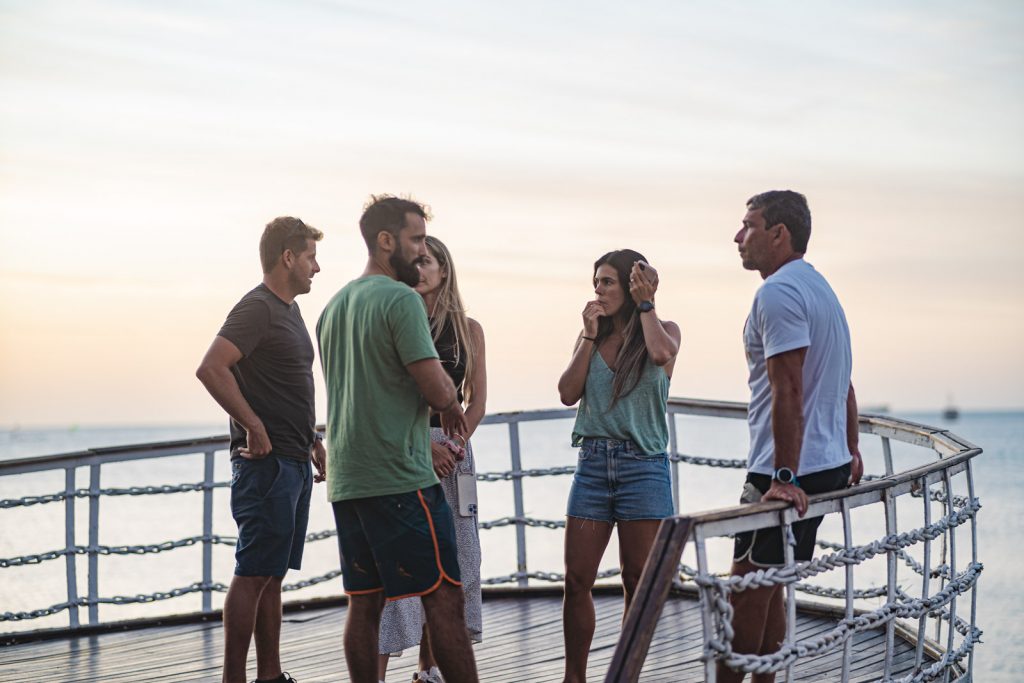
x=803, y=411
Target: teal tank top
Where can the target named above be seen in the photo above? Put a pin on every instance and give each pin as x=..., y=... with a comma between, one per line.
x=639, y=416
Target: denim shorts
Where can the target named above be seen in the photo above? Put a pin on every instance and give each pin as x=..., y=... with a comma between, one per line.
x=402, y=544
x=270, y=504
x=615, y=482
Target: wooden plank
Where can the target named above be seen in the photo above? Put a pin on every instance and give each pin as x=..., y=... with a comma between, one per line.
x=522, y=642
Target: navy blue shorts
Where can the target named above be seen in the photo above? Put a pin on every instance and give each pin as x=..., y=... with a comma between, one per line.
x=401, y=544
x=270, y=504
x=615, y=482
x=763, y=547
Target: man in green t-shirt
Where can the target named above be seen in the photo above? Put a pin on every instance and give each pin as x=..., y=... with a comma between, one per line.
x=395, y=529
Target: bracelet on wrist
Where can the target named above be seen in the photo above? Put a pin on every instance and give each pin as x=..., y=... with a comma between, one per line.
x=589, y=339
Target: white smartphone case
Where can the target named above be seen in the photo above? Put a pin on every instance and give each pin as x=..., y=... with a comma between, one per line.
x=466, y=482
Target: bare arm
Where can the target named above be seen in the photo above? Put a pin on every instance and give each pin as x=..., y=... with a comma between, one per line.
x=436, y=386
x=215, y=373
x=853, y=437
x=661, y=338
x=572, y=381
x=785, y=374
x=477, y=384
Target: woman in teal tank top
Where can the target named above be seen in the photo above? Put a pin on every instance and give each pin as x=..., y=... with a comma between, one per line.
x=619, y=373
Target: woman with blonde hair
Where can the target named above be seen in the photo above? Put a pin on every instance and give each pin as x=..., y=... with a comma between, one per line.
x=460, y=345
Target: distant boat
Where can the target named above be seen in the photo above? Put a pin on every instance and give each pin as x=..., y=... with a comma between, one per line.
x=950, y=412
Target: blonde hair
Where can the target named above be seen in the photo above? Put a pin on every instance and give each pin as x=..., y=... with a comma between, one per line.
x=449, y=309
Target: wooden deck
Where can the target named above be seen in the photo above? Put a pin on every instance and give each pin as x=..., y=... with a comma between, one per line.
x=522, y=643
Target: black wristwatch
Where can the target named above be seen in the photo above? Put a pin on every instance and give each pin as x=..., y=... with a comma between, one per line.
x=646, y=306
x=784, y=475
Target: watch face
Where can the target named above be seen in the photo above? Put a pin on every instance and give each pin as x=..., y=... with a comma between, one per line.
x=785, y=475
x=645, y=306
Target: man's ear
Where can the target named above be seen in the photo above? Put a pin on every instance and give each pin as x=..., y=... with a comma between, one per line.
x=288, y=258
x=385, y=241
x=783, y=233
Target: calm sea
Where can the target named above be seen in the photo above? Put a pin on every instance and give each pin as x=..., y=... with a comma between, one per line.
x=999, y=473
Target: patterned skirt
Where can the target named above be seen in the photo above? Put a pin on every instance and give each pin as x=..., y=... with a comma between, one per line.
x=401, y=624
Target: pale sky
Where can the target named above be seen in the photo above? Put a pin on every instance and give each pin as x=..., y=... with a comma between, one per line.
x=143, y=147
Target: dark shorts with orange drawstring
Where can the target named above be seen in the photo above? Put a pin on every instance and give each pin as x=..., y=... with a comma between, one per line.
x=401, y=544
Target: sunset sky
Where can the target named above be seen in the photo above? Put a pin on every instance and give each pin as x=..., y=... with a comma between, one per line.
x=143, y=147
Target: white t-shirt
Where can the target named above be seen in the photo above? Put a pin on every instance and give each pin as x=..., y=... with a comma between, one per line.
x=796, y=308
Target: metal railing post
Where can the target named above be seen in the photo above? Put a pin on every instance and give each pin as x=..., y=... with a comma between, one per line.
x=848, y=545
x=207, y=530
x=951, y=532
x=706, y=610
x=922, y=622
x=517, y=494
x=94, y=541
x=887, y=455
x=674, y=445
x=891, y=529
x=974, y=559
x=790, y=559
x=69, y=545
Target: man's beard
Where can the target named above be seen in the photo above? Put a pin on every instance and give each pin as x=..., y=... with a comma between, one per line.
x=405, y=271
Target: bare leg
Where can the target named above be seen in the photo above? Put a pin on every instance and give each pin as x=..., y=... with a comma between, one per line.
x=426, y=653
x=635, y=541
x=362, y=627
x=268, y=631
x=750, y=616
x=585, y=543
x=774, y=631
x=240, y=616
x=446, y=619
x=426, y=657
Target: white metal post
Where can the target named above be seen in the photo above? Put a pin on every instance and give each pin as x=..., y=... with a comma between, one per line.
x=951, y=532
x=207, y=530
x=891, y=529
x=706, y=609
x=94, y=541
x=847, y=543
x=69, y=545
x=787, y=534
x=974, y=559
x=517, y=493
x=674, y=446
x=922, y=622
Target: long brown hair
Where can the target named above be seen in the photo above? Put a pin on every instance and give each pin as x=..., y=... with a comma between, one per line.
x=449, y=309
x=632, y=358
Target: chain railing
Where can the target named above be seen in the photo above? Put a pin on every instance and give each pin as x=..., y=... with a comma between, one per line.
x=931, y=483
x=932, y=607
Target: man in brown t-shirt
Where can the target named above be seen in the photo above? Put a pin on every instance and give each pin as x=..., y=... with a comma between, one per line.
x=260, y=370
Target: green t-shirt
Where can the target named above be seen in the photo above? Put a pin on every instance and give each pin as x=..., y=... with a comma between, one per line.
x=378, y=434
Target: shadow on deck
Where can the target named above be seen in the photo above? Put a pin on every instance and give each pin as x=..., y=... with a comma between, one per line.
x=522, y=643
